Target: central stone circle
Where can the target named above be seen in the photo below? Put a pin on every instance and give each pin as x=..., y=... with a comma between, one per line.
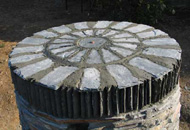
x=92, y=42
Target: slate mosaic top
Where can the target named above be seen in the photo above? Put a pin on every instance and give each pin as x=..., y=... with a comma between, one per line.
x=94, y=55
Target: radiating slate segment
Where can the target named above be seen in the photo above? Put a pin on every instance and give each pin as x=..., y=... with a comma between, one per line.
x=122, y=51
x=90, y=79
x=55, y=51
x=46, y=34
x=32, y=49
x=126, y=40
x=148, y=66
x=126, y=45
x=33, y=41
x=54, y=46
x=77, y=57
x=63, y=41
x=153, y=33
x=94, y=58
x=121, y=25
x=122, y=75
x=171, y=53
x=54, y=79
x=89, y=32
x=160, y=41
x=122, y=35
x=102, y=24
x=68, y=37
x=108, y=56
x=112, y=32
x=81, y=25
x=100, y=31
x=80, y=34
x=66, y=54
x=62, y=29
x=31, y=69
x=24, y=58
x=138, y=28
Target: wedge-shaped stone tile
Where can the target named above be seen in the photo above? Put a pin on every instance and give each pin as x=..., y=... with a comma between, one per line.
x=121, y=25
x=126, y=45
x=31, y=49
x=171, y=53
x=89, y=32
x=24, y=58
x=108, y=56
x=94, y=58
x=63, y=41
x=81, y=25
x=112, y=32
x=153, y=33
x=78, y=57
x=32, y=69
x=135, y=40
x=148, y=66
x=33, y=41
x=160, y=41
x=66, y=54
x=122, y=35
x=80, y=34
x=54, y=46
x=91, y=79
x=122, y=51
x=55, y=51
x=46, y=34
x=99, y=32
x=62, y=29
x=54, y=79
x=138, y=28
x=68, y=37
x=102, y=24
x=122, y=75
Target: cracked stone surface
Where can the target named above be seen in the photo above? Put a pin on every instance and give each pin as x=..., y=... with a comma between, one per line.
x=116, y=58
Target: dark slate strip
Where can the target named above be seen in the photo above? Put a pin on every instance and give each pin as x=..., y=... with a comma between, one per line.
x=42, y=100
x=70, y=102
x=135, y=97
x=124, y=100
x=141, y=96
x=83, y=105
x=64, y=102
x=96, y=104
x=129, y=105
x=121, y=100
x=113, y=100
x=53, y=103
x=109, y=102
x=58, y=103
x=48, y=101
x=88, y=98
x=145, y=92
x=76, y=104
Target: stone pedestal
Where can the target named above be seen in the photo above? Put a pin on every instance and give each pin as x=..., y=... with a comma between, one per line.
x=97, y=75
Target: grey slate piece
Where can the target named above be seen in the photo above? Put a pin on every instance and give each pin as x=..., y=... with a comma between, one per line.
x=55, y=51
x=61, y=29
x=138, y=28
x=31, y=69
x=33, y=41
x=54, y=79
x=100, y=31
x=122, y=75
x=90, y=79
x=81, y=25
x=160, y=41
x=89, y=32
x=102, y=24
x=149, y=66
x=25, y=58
x=126, y=40
x=80, y=34
x=122, y=35
x=63, y=41
x=33, y=49
x=121, y=25
x=122, y=51
x=46, y=34
x=78, y=57
x=127, y=45
x=68, y=37
x=94, y=58
x=153, y=33
x=112, y=32
x=171, y=53
x=66, y=54
x=54, y=46
x=108, y=56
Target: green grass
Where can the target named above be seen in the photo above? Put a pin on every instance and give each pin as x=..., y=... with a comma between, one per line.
x=2, y=45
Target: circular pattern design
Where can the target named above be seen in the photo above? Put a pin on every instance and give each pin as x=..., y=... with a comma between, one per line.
x=106, y=53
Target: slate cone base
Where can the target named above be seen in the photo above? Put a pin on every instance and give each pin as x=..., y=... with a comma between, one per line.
x=91, y=72
x=164, y=115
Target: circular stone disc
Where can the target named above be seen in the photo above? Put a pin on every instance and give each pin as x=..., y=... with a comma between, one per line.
x=95, y=55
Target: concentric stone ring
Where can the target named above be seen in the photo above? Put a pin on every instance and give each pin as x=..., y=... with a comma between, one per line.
x=95, y=69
